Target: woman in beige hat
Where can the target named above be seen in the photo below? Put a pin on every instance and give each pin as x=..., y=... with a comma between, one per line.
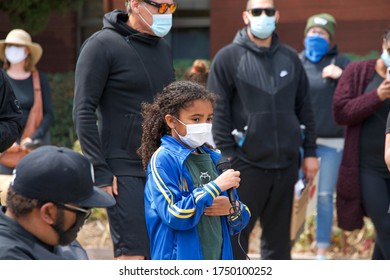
x=20, y=56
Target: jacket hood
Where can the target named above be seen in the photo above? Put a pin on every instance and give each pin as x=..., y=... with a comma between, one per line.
x=117, y=20
x=333, y=51
x=243, y=40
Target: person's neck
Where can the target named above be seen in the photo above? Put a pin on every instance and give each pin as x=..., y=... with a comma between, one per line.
x=266, y=43
x=380, y=68
x=17, y=71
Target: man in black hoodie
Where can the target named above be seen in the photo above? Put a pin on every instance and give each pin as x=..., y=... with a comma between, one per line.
x=264, y=95
x=120, y=67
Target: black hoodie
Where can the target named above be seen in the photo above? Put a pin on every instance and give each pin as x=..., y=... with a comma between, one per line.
x=118, y=69
x=265, y=89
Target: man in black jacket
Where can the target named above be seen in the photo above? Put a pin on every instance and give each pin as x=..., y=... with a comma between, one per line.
x=264, y=95
x=10, y=115
x=120, y=67
x=50, y=197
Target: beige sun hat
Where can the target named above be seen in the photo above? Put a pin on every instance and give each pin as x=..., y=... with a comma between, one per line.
x=21, y=37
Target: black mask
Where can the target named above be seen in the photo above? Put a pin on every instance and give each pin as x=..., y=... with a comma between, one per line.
x=67, y=236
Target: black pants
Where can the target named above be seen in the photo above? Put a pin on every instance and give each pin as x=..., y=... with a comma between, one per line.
x=268, y=193
x=376, y=201
x=127, y=218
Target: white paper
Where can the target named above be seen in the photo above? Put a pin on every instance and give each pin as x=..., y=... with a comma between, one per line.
x=299, y=186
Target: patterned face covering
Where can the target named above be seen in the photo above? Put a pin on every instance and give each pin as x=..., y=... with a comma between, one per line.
x=315, y=47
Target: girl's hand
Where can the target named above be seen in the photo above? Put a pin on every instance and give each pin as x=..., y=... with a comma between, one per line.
x=228, y=179
x=220, y=207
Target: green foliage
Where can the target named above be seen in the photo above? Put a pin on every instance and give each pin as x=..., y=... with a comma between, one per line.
x=357, y=244
x=62, y=131
x=181, y=66
x=33, y=15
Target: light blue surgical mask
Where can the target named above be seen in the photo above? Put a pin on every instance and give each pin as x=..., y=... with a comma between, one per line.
x=162, y=23
x=315, y=47
x=386, y=58
x=262, y=26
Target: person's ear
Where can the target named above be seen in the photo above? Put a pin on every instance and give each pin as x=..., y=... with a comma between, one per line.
x=134, y=4
x=245, y=17
x=277, y=16
x=27, y=50
x=48, y=213
x=171, y=121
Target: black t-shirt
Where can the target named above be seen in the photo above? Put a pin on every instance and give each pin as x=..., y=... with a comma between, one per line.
x=372, y=137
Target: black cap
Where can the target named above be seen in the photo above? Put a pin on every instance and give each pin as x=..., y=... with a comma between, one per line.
x=59, y=174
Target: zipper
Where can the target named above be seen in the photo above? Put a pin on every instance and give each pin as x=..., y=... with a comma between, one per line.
x=274, y=118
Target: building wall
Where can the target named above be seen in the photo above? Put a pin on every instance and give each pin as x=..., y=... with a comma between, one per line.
x=359, y=30
x=57, y=41
x=360, y=23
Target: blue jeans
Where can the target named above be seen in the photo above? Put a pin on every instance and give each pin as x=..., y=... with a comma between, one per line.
x=329, y=167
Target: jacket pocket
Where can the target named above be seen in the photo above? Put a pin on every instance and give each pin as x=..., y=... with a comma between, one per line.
x=272, y=137
x=132, y=134
x=259, y=140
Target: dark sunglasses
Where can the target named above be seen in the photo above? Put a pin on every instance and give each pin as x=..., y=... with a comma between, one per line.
x=162, y=7
x=86, y=212
x=270, y=12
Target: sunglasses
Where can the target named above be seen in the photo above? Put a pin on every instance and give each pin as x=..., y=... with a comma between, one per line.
x=86, y=212
x=270, y=12
x=162, y=7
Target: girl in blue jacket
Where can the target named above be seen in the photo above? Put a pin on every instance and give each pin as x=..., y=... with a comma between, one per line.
x=188, y=214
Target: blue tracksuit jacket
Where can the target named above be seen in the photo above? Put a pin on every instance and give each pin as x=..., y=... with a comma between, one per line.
x=173, y=207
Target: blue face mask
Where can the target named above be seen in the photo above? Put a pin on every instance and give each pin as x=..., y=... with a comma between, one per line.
x=386, y=58
x=161, y=25
x=315, y=48
x=262, y=26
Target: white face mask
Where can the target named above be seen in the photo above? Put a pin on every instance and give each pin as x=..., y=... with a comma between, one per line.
x=15, y=54
x=162, y=23
x=197, y=134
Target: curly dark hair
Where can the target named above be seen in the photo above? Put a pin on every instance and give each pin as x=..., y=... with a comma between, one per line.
x=173, y=98
x=21, y=205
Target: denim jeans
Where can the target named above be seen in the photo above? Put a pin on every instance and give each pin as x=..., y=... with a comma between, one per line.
x=329, y=166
